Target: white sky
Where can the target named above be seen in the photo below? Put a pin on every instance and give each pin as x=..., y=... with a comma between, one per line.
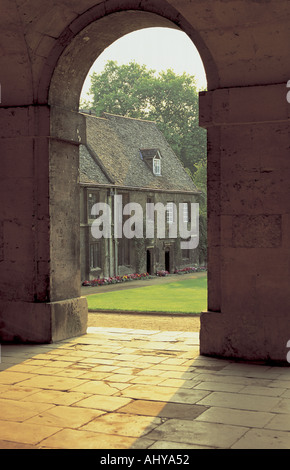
x=158, y=49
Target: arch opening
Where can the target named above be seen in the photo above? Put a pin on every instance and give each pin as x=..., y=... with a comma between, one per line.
x=247, y=116
x=68, y=129
x=74, y=63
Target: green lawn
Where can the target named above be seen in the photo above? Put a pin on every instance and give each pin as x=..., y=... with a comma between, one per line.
x=184, y=296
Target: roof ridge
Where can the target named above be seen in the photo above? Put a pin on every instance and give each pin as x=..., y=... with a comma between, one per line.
x=94, y=116
x=128, y=117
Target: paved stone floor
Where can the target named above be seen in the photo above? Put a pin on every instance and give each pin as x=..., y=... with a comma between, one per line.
x=138, y=389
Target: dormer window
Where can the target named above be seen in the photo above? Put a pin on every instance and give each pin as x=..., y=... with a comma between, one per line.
x=157, y=166
x=153, y=159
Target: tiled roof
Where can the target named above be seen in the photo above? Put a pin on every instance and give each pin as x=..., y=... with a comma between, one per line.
x=114, y=145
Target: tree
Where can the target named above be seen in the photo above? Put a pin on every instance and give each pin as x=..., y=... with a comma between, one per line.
x=168, y=99
x=200, y=180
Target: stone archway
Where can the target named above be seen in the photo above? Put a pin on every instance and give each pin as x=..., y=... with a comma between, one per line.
x=243, y=47
x=67, y=133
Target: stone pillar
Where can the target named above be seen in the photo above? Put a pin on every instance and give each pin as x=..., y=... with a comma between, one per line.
x=248, y=313
x=39, y=229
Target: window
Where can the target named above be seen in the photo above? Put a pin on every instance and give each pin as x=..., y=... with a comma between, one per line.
x=124, y=252
x=152, y=158
x=95, y=255
x=186, y=254
x=156, y=166
x=169, y=213
x=93, y=198
x=186, y=212
x=150, y=209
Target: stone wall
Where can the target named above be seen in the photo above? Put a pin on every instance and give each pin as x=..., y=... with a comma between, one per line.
x=138, y=246
x=47, y=48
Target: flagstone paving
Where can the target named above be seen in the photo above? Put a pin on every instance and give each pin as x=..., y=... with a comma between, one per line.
x=122, y=388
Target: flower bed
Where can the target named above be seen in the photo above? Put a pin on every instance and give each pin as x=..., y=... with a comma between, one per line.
x=136, y=276
x=192, y=269
x=116, y=279
x=162, y=273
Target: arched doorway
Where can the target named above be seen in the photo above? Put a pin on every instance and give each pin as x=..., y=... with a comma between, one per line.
x=247, y=117
x=72, y=66
x=69, y=128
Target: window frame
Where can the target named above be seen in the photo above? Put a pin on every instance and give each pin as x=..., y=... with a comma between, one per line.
x=186, y=212
x=90, y=204
x=96, y=255
x=170, y=212
x=156, y=165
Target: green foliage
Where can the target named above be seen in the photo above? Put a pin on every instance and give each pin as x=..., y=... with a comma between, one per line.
x=168, y=99
x=200, y=180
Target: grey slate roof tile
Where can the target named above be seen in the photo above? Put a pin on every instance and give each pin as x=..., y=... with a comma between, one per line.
x=113, y=155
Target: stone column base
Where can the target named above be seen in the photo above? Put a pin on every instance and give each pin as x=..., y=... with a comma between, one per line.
x=262, y=339
x=24, y=322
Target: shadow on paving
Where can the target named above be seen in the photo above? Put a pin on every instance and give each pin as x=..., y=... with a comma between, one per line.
x=12, y=355
x=172, y=404
x=117, y=388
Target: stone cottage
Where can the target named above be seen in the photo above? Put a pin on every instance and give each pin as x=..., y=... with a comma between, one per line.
x=127, y=161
